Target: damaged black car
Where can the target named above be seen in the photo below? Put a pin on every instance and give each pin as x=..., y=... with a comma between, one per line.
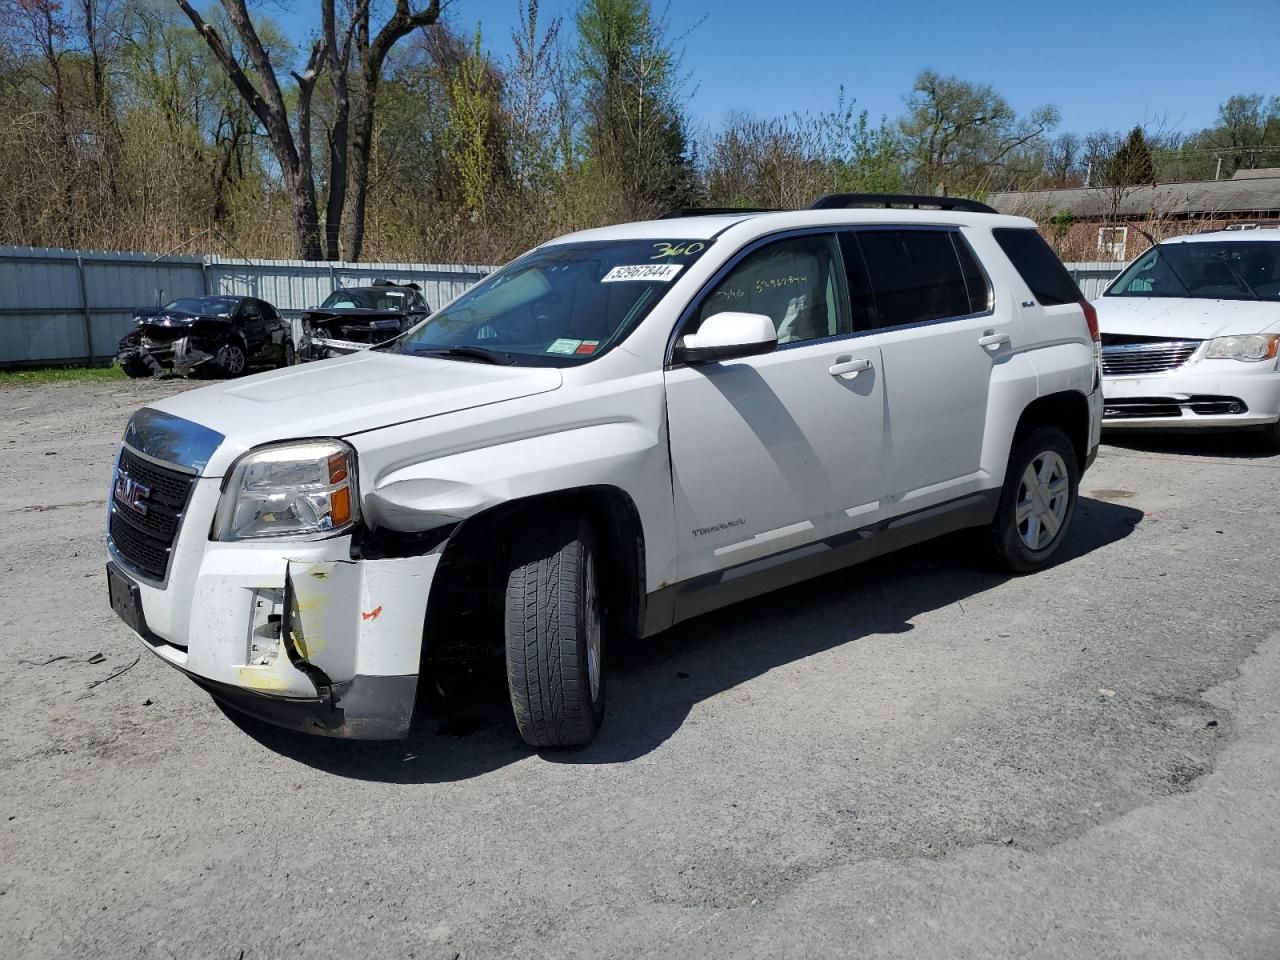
x=356, y=318
x=217, y=336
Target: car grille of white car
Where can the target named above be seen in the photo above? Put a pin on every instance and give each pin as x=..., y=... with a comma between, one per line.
x=143, y=532
x=1147, y=356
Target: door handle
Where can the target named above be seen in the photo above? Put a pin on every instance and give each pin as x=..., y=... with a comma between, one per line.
x=993, y=341
x=848, y=369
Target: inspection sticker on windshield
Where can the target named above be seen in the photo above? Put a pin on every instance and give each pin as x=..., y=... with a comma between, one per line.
x=662, y=272
x=564, y=346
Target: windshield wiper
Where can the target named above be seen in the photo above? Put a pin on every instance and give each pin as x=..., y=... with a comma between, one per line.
x=480, y=354
x=1161, y=254
x=1235, y=272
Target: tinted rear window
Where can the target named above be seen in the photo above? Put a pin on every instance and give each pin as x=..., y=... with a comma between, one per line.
x=1038, y=265
x=915, y=275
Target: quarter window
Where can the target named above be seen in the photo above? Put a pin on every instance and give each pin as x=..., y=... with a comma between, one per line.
x=1038, y=265
x=917, y=276
x=797, y=282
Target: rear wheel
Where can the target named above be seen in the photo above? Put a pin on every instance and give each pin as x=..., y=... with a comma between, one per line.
x=555, y=642
x=232, y=359
x=1038, y=501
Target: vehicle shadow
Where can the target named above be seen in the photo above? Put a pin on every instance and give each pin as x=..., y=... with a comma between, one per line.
x=653, y=684
x=1236, y=445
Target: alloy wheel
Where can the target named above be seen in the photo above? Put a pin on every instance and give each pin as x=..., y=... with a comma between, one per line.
x=1044, y=493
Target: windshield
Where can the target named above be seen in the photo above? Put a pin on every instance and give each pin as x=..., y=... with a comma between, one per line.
x=564, y=303
x=1217, y=270
x=204, y=306
x=394, y=301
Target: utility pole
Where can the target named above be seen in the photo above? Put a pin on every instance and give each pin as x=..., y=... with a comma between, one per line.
x=1217, y=174
x=1088, y=172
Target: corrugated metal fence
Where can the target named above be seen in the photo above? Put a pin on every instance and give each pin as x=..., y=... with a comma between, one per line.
x=65, y=306
x=62, y=306
x=1092, y=276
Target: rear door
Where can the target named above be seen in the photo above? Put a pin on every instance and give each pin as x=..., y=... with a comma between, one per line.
x=253, y=325
x=940, y=335
x=774, y=452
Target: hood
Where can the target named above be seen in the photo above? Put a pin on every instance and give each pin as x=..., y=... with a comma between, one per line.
x=347, y=395
x=356, y=313
x=1185, y=319
x=173, y=318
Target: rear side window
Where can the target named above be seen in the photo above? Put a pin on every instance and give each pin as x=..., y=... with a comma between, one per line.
x=917, y=276
x=1038, y=265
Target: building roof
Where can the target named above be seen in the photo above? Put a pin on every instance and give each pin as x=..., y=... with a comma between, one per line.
x=1258, y=191
x=1256, y=174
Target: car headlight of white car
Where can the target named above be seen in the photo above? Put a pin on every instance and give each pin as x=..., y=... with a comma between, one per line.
x=1252, y=347
x=305, y=490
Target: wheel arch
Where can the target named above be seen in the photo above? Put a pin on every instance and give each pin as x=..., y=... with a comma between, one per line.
x=615, y=522
x=1068, y=410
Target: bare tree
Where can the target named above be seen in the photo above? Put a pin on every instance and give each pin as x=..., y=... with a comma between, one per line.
x=371, y=51
x=292, y=148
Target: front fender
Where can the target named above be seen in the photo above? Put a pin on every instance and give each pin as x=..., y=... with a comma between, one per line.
x=432, y=493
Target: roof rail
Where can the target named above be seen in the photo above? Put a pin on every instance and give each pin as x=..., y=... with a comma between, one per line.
x=681, y=212
x=842, y=201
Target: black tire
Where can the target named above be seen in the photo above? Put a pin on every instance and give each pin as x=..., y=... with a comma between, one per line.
x=1271, y=437
x=1010, y=535
x=134, y=368
x=290, y=357
x=553, y=604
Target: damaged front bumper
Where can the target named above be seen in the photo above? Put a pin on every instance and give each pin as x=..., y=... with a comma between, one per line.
x=299, y=635
x=313, y=347
x=182, y=355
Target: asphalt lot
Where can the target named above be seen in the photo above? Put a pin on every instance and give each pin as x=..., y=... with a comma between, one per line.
x=917, y=758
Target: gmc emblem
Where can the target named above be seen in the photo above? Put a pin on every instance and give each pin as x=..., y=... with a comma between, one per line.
x=131, y=493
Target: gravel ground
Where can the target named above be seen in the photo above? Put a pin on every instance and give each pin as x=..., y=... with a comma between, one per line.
x=915, y=758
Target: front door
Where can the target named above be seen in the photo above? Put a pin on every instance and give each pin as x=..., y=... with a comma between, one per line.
x=772, y=453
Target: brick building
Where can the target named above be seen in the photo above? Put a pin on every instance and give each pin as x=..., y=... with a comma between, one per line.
x=1101, y=223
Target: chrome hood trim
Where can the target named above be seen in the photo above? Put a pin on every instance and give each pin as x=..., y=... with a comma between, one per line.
x=172, y=440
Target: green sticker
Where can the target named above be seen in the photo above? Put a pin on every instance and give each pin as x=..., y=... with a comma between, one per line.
x=564, y=346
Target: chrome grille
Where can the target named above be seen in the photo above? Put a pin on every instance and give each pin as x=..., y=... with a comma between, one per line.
x=143, y=531
x=1158, y=356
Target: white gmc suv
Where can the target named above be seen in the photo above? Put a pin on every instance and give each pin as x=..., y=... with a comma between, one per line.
x=622, y=429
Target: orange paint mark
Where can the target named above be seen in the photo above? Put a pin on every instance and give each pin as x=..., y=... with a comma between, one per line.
x=372, y=614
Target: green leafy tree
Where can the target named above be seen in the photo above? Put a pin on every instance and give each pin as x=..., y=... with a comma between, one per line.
x=960, y=137
x=635, y=128
x=1132, y=162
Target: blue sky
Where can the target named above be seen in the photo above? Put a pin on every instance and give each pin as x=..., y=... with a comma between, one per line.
x=1102, y=64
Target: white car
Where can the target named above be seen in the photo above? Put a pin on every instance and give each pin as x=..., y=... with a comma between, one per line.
x=1189, y=335
x=622, y=429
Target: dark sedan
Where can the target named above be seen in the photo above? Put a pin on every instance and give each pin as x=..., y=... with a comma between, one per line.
x=356, y=318
x=216, y=335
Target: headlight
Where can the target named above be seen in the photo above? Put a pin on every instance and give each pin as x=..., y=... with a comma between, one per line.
x=1252, y=346
x=292, y=490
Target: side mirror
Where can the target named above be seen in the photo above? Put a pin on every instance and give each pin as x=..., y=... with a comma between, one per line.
x=725, y=336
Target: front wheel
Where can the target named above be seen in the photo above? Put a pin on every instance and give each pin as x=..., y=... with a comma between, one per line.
x=288, y=357
x=555, y=634
x=1038, y=501
x=1271, y=437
